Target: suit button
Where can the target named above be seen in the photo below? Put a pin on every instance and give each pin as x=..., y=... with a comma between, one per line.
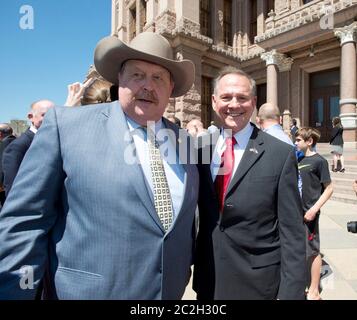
x=160, y=270
x=221, y=228
x=229, y=206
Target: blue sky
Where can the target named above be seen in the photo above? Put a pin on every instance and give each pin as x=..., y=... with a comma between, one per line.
x=40, y=62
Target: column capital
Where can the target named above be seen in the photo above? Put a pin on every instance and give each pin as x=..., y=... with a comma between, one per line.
x=347, y=33
x=279, y=59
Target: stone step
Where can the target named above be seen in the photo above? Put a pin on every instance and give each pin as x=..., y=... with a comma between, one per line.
x=345, y=175
x=351, y=169
x=343, y=189
x=345, y=198
x=342, y=181
x=352, y=163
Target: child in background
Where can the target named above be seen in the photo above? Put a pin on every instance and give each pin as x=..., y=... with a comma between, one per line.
x=316, y=190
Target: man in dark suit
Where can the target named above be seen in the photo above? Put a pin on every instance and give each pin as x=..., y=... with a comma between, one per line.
x=6, y=137
x=14, y=154
x=251, y=240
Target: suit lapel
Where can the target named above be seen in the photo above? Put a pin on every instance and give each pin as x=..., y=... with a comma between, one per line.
x=120, y=139
x=252, y=153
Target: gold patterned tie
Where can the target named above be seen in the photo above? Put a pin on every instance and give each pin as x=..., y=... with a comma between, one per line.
x=162, y=196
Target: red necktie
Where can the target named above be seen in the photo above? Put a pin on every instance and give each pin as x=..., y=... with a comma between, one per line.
x=225, y=171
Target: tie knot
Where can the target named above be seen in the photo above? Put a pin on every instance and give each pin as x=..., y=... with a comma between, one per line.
x=231, y=141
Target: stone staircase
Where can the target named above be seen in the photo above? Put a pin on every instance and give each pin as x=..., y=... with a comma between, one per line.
x=342, y=182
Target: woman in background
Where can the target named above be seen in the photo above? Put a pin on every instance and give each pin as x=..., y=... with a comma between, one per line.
x=336, y=143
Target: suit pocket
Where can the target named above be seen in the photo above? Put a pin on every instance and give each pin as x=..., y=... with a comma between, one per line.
x=72, y=284
x=265, y=259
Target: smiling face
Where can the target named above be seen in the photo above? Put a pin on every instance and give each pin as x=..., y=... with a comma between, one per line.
x=233, y=101
x=144, y=90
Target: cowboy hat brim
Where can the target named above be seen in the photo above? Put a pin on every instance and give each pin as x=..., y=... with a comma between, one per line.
x=111, y=53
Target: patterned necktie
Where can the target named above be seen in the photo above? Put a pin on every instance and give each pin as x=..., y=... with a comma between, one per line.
x=162, y=196
x=225, y=171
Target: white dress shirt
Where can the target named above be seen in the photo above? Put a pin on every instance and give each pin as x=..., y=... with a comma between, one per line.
x=242, y=138
x=33, y=129
x=174, y=171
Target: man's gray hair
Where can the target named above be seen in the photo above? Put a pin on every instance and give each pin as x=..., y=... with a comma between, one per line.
x=232, y=70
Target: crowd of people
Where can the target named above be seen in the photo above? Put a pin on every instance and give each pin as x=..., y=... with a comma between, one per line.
x=240, y=202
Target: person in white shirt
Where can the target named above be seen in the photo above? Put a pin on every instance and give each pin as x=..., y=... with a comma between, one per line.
x=268, y=119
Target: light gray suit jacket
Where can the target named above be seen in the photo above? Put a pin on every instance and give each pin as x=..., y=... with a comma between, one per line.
x=79, y=212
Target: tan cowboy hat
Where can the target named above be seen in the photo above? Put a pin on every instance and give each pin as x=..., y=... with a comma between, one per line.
x=111, y=52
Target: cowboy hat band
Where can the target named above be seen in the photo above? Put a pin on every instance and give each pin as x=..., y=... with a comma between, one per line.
x=110, y=53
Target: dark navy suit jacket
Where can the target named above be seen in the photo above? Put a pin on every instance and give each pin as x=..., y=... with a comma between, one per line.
x=13, y=156
x=255, y=249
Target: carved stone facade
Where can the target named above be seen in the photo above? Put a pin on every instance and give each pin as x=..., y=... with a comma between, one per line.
x=292, y=43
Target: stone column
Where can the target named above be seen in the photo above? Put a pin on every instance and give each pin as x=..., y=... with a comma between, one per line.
x=123, y=23
x=286, y=122
x=151, y=9
x=347, y=36
x=138, y=16
x=274, y=60
x=115, y=13
x=260, y=17
x=188, y=17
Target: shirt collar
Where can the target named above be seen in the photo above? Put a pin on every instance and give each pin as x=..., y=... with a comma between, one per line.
x=272, y=127
x=33, y=129
x=242, y=137
x=133, y=125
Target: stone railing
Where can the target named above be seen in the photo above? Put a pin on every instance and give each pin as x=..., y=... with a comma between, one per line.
x=291, y=19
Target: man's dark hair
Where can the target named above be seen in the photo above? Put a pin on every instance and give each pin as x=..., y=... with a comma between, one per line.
x=178, y=122
x=5, y=129
x=307, y=132
x=114, y=92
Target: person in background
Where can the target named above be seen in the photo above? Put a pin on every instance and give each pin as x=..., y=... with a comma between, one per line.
x=16, y=151
x=175, y=120
x=212, y=128
x=293, y=129
x=97, y=92
x=316, y=190
x=195, y=128
x=6, y=137
x=114, y=92
x=76, y=91
x=336, y=143
x=269, y=120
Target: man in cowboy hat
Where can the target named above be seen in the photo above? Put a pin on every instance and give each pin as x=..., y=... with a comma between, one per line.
x=84, y=217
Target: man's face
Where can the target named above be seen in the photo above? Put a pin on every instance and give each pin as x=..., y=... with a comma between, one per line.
x=38, y=112
x=144, y=90
x=233, y=101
